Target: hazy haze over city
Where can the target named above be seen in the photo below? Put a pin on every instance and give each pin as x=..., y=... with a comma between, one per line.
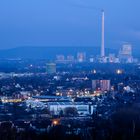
x=68, y=23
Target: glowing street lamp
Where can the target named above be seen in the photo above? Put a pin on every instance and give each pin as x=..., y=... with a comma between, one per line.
x=119, y=71
x=55, y=122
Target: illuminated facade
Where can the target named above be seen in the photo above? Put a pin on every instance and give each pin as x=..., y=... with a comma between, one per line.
x=103, y=85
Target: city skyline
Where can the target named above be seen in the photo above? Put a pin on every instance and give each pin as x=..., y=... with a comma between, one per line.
x=69, y=70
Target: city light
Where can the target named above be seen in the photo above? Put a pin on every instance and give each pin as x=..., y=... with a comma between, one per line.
x=94, y=71
x=119, y=71
x=55, y=122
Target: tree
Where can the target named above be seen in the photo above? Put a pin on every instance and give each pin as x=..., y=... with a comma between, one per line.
x=70, y=111
x=126, y=123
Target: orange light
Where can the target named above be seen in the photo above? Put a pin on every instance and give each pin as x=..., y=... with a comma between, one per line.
x=55, y=122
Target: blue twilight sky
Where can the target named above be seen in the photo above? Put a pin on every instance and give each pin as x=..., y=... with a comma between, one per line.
x=68, y=22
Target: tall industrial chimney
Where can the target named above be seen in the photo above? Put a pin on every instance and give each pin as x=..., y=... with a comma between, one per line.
x=103, y=28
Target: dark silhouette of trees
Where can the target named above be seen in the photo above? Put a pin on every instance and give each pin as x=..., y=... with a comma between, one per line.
x=126, y=124
x=70, y=111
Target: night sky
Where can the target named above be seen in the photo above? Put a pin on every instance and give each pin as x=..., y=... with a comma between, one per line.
x=68, y=23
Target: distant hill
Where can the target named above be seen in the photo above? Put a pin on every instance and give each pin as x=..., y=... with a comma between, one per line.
x=49, y=52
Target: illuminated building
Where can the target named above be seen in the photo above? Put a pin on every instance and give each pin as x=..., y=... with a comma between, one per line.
x=60, y=58
x=111, y=58
x=56, y=107
x=51, y=68
x=103, y=85
x=10, y=100
x=81, y=57
x=50, y=98
x=91, y=59
x=125, y=54
x=70, y=58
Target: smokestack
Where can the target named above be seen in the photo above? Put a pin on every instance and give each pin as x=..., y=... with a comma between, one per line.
x=103, y=28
